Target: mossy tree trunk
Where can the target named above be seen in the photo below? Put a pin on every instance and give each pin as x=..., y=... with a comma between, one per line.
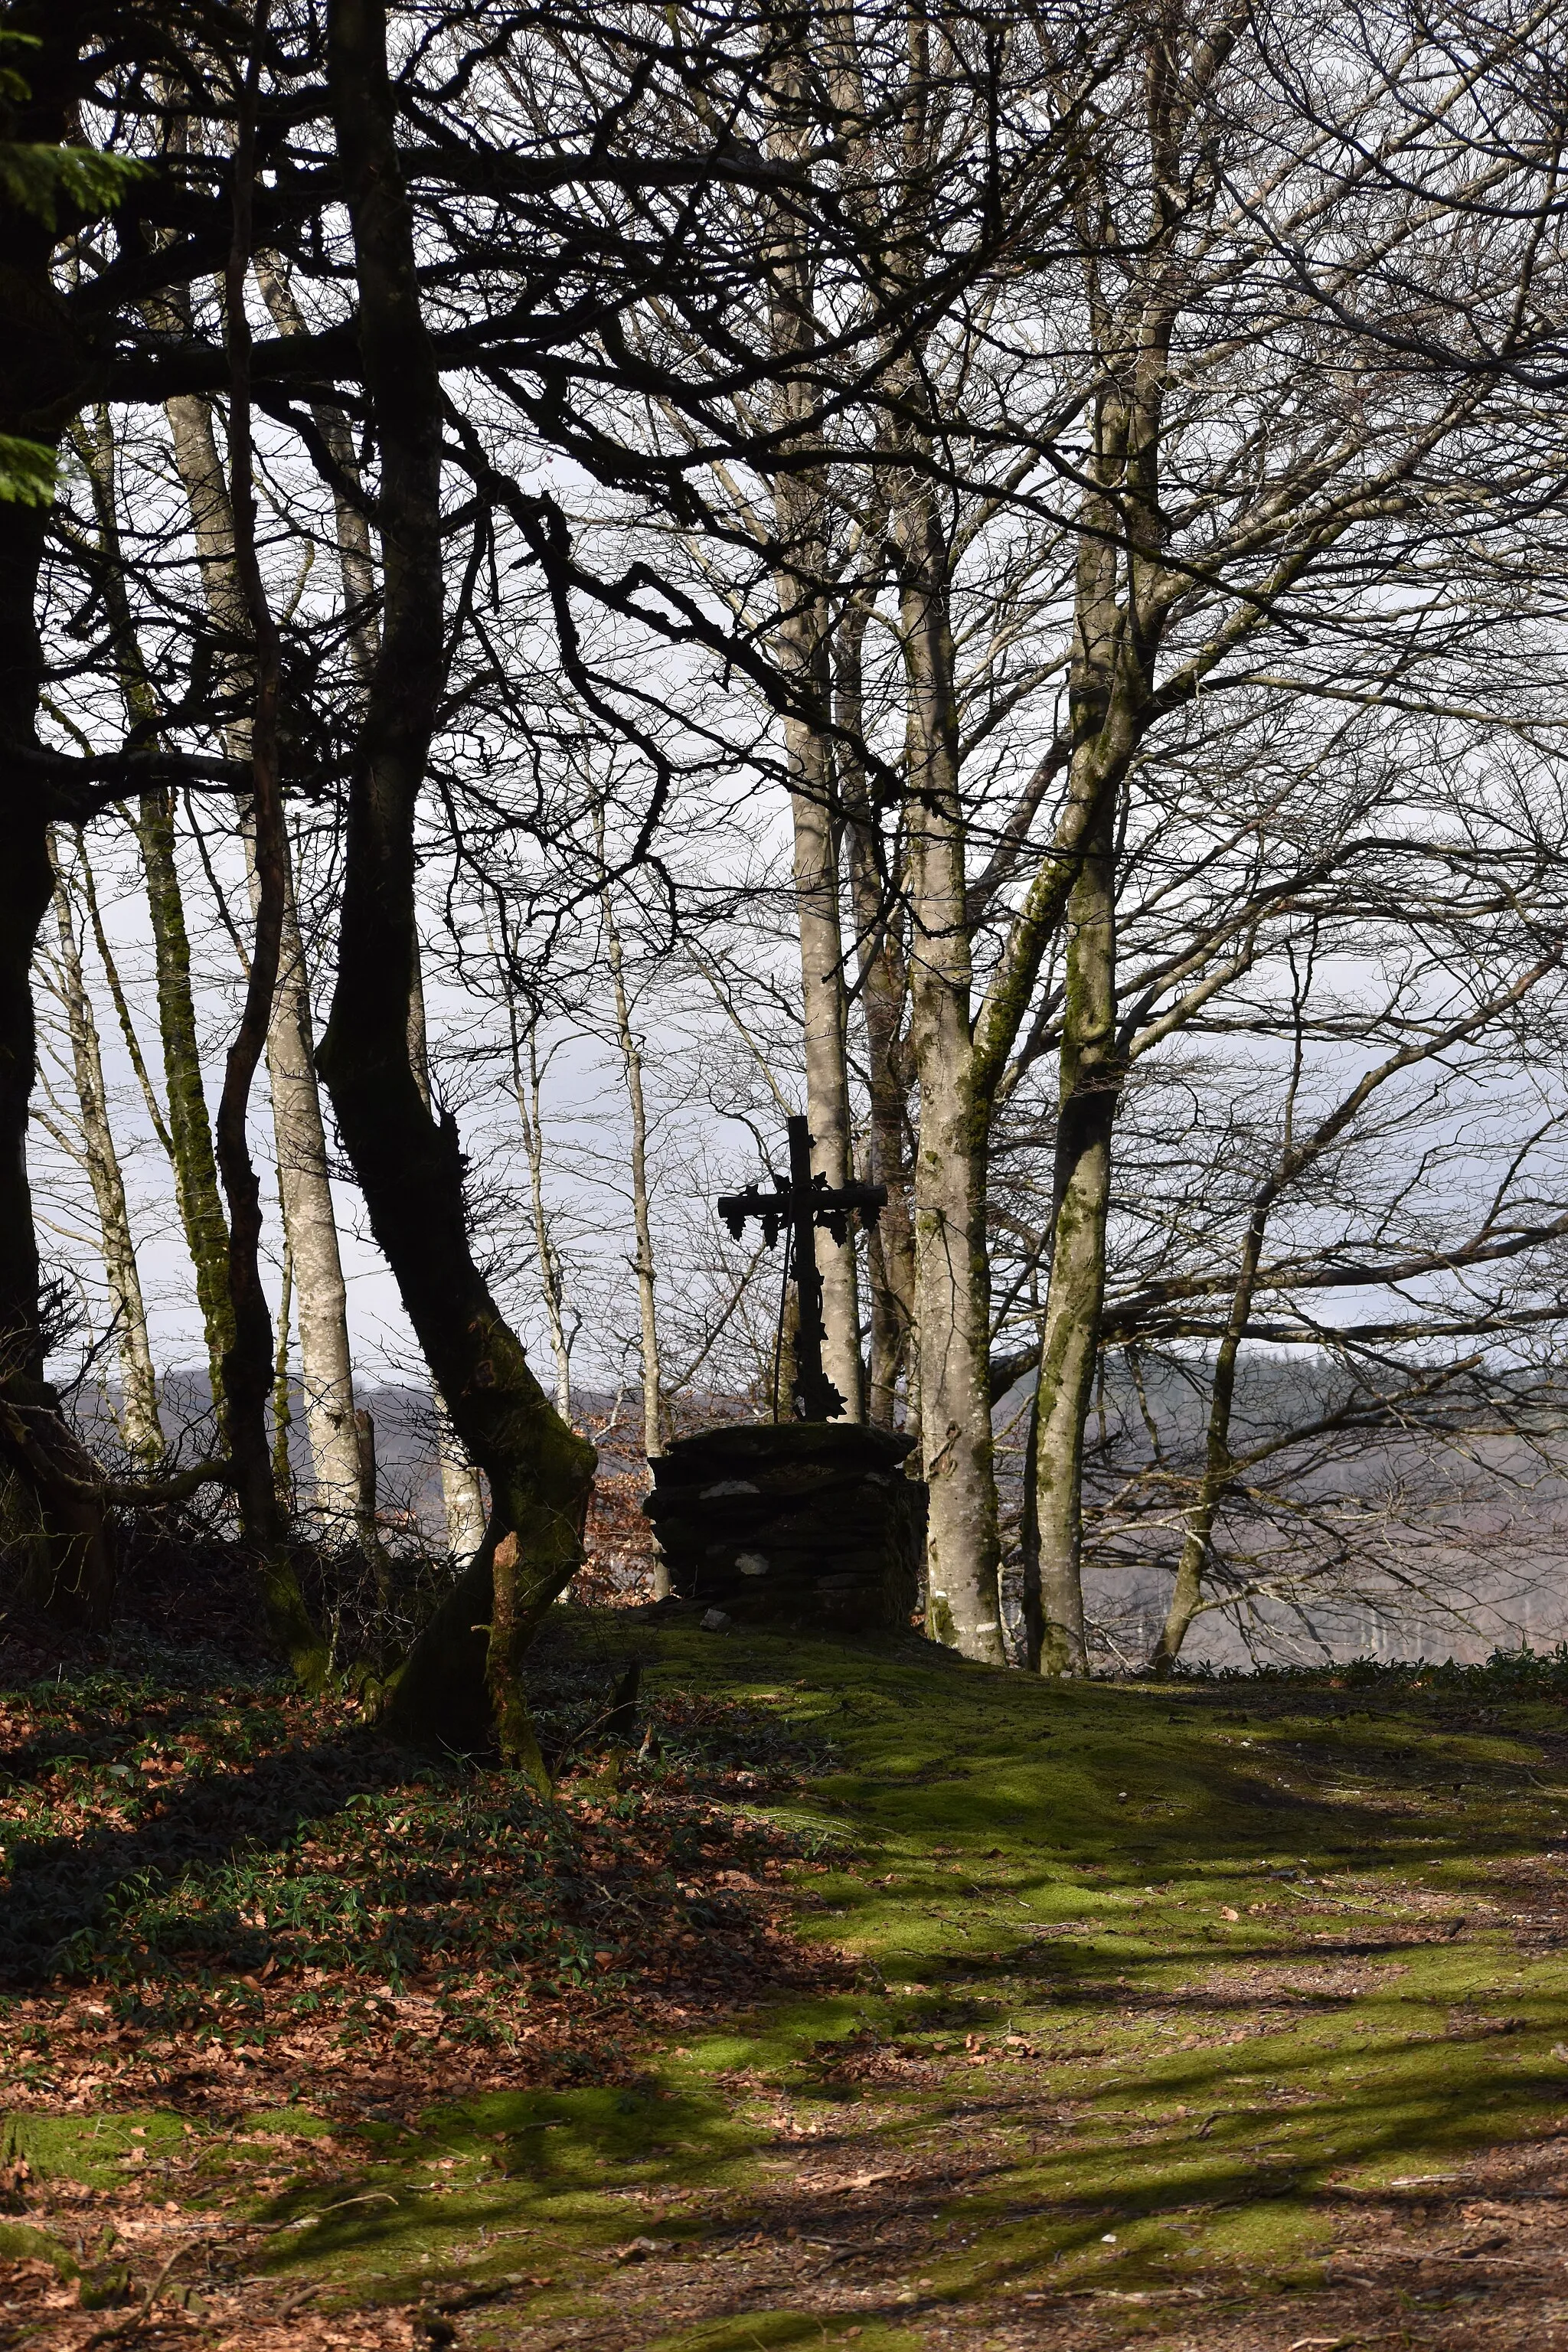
x=408, y=1163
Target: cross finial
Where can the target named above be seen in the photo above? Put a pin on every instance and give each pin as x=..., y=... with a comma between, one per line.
x=800, y=1205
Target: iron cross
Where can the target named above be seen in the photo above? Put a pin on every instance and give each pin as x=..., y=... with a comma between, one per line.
x=799, y=1206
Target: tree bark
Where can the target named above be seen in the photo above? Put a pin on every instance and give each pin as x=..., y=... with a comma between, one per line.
x=804, y=663
x=310, y=1230
x=951, y=1265
x=309, y=1217
x=410, y=1167
x=139, y=1381
x=653, y=1417
x=882, y=971
x=196, y=1193
x=463, y=1508
x=1089, y=1091
x=188, y=1133
x=62, y=1547
x=1187, y=1592
x=248, y=1365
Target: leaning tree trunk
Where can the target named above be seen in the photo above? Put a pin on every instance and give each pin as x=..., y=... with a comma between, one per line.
x=196, y=1193
x=409, y=1165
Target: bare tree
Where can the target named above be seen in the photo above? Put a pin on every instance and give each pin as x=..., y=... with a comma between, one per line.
x=99, y=1156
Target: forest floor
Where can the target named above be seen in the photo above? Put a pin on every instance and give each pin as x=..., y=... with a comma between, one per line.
x=890, y=2003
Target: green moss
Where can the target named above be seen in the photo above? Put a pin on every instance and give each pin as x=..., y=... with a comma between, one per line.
x=19, y=2242
x=1052, y=1863
x=90, y=2148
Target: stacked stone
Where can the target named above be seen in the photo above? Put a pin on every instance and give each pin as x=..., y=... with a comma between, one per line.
x=805, y=1523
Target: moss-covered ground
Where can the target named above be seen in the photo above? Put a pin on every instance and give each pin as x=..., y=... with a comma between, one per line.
x=1222, y=2014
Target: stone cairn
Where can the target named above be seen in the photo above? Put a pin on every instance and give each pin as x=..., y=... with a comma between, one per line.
x=798, y=1522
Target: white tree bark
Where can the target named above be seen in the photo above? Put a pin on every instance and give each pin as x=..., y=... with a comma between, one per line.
x=951, y=1264
x=310, y=1227
x=462, y=1491
x=310, y=1219
x=139, y=1383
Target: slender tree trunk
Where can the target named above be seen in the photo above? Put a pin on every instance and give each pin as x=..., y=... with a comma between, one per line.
x=642, y=1223
x=526, y=1091
x=309, y=1217
x=1089, y=1086
x=952, y=1267
x=463, y=1504
x=188, y=1132
x=462, y=1493
x=1117, y=623
x=884, y=998
x=411, y=1169
x=282, y=1404
x=356, y=547
x=139, y=1382
x=248, y=1366
x=197, y=1191
x=823, y=1028
x=1187, y=1592
x=804, y=660
x=310, y=1227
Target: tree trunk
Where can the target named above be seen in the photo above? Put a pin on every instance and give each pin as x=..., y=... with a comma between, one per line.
x=247, y=1365
x=647, y=1298
x=311, y=1229
x=462, y=1495
x=822, y=1023
x=884, y=997
x=139, y=1419
x=951, y=1271
x=197, y=1191
x=309, y=1218
x=1187, y=1592
x=356, y=549
x=188, y=1133
x=411, y=1168
x=1117, y=624
x=804, y=663
x=1089, y=1086
x=62, y=1547
x=526, y=1093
